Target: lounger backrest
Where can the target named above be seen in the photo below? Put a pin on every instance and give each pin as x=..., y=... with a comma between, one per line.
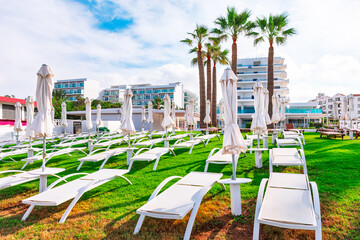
x=289, y=126
x=284, y=151
x=200, y=179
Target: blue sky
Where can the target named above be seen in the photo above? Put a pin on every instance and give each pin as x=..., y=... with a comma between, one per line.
x=137, y=41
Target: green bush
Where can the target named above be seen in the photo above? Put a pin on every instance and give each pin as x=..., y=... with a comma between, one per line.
x=311, y=124
x=248, y=125
x=318, y=125
x=103, y=129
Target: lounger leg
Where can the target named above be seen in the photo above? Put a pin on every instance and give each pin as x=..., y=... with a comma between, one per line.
x=78, y=168
x=156, y=163
x=24, y=165
x=256, y=230
x=27, y=213
x=130, y=165
x=192, y=220
x=139, y=224
x=206, y=167
x=191, y=149
x=104, y=162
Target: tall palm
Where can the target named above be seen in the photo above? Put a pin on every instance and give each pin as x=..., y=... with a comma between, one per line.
x=198, y=37
x=208, y=55
x=232, y=25
x=274, y=29
x=218, y=56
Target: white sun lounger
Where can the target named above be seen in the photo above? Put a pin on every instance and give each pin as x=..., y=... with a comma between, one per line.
x=179, y=199
x=24, y=177
x=143, y=142
x=293, y=134
x=108, y=144
x=150, y=155
x=181, y=143
x=287, y=157
x=71, y=190
x=176, y=137
x=70, y=143
x=50, y=155
x=12, y=153
x=218, y=158
x=101, y=156
x=206, y=137
x=289, y=142
x=289, y=202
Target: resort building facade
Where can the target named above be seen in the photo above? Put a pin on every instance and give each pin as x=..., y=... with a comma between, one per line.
x=251, y=70
x=113, y=94
x=81, y=87
x=188, y=95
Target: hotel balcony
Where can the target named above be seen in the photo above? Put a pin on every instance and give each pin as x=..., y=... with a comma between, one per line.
x=262, y=80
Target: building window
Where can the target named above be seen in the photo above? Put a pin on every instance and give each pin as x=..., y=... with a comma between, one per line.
x=358, y=99
x=257, y=63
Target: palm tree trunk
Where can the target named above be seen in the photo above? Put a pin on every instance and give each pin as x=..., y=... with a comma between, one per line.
x=202, y=88
x=234, y=57
x=214, y=100
x=270, y=79
x=208, y=80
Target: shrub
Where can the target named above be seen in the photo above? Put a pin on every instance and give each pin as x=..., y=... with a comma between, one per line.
x=248, y=124
x=311, y=124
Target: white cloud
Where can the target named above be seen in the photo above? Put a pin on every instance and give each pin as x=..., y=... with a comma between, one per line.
x=63, y=35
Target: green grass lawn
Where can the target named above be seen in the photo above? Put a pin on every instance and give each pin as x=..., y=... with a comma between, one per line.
x=108, y=212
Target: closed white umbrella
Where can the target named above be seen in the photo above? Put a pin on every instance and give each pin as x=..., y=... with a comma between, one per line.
x=29, y=117
x=276, y=105
x=282, y=110
x=266, y=107
x=88, y=122
x=207, y=118
x=191, y=117
x=167, y=121
x=127, y=124
x=336, y=111
x=17, y=124
x=233, y=141
x=98, y=116
x=344, y=114
x=43, y=125
x=221, y=113
x=143, y=117
x=64, y=122
x=173, y=116
x=186, y=116
x=258, y=124
x=150, y=114
x=352, y=114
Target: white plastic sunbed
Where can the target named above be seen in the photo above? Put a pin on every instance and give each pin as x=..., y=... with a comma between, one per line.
x=50, y=155
x=218, y=158
x=143, y=142
x=108, y=144
x=294, y=134
x=24, y=176
x=289, y=202
x=181, y=143
x=287, y=157
x=176, y=137
x=70, y=143
x=289, y=142
x=150, y=155
x=101, y=156
x=206, y=137
x=10, y=154
x=179, y=199
x=71, y=190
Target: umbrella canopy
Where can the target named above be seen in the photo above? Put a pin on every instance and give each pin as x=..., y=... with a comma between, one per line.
x=336, y=110
x=143, y=115
x=64, y=122
x=150, y=113
x=98, y=115
x=352, y=113
x=29, y=116
x=207, y=118
x=258, y=124
x=276, y=105
x=191, y=121
x=187, y=109
x=43, y=125
x=173, y=115
x=282, y=110
x=88, y=123
x=167, y=121
x=127, y=124
x=266, y=107
x=233, y=142
x=18, y=123
x=344, y=106
x=221, y=110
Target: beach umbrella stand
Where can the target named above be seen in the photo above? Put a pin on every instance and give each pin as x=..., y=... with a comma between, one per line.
x=233, y=142
x=167, y=120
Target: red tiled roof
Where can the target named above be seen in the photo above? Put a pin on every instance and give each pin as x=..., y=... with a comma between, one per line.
x=356, y=95
x=13, y=100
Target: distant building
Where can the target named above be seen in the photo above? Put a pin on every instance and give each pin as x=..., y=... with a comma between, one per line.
x=191, y=95
x=113, y=94
x=81, y=87
x=7, y=110
x=300, y=114
x=251, y=70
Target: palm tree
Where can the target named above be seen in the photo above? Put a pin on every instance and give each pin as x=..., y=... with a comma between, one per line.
x=59, y=94
x=208, y=55
x=198, y=37
x=158, y=103
x=232, y=26
x=274, y=29
x=218, y=56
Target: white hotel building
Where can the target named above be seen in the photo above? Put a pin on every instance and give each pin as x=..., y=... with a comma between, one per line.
x=250, y=70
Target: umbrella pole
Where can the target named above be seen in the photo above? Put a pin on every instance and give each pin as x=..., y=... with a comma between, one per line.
x=30, y=146
x=17, y=137
x=258, y=138
x=129, y=140
x=207, y=129
x=43, y=154
x=233, y=176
